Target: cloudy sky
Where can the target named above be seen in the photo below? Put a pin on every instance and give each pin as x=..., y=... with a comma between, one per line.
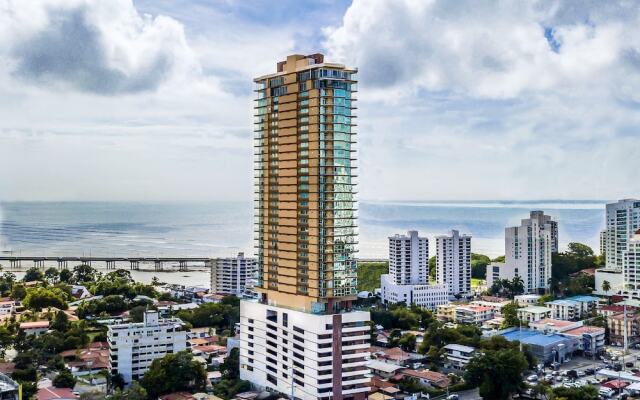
x=151, y=100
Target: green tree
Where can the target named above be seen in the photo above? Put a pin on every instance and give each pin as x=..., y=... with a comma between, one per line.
x=479, y=263
x=39, y=298
x=60, y=322
x=498, y=374
x=174, y=373
x=18, y=292
x=65, y=276
x=7, y=338
x=394, y=337
x=134, y=392
x=64, y=379
x=137, y=313
x=408, y=342
x=52, y=275
x=499, y=259
x=432, y=268
x=228, y=388
x=33, y=274
x=510, y=315
x=580, y=393
x=84, y=273
x=230, y=368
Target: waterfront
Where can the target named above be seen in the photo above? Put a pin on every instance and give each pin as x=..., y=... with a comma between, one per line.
x=219, y=229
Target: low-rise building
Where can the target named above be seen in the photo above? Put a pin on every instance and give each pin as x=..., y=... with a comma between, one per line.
x=133, y=346
x=383, y=369
x=425, y=377
x=525, y=300
x=423, y=295
x=573, y=308
x=7, y=306
x=34, y=327
x=615, y=324
x=611, y=275
x=446, y=312
x=54, y=393
x=495, y=306
x=533, y=313
x=471, y=314
x=549, y=325
x=88, y=361
x=545, y=347
x=590, y=338
x=458, y=356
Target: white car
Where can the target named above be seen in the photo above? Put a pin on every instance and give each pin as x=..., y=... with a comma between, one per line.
x=581, y=374
x=532, y=378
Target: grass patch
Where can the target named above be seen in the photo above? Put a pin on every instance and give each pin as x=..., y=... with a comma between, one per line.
x=475, y=282
x=369, y=275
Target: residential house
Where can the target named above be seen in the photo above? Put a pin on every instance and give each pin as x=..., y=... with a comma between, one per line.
x=458, y=356
x=34, y=327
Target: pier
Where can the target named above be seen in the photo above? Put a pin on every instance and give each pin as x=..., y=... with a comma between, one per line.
x=133, y=263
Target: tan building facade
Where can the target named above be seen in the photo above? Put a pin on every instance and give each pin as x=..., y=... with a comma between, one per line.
x=304, y=183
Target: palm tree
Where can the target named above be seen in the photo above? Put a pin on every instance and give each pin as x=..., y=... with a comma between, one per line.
x=606, y=286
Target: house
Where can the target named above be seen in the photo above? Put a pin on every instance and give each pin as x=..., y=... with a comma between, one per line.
x=166, y=310
x=9, y=389
x=533, y=313
x=425, y=377
x=54, y=393
x=213, y=354
x=203, y=332
x=458, y=356
x=615, y=324
x=7, y=306
x=383, y=369
x=87, y=361
x=214, y=377
x=80, y=292
x=472, y=314
x=35, y=327
x=211, y=298
x=394, y=355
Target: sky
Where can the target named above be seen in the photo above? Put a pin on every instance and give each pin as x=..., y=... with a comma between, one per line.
x=152, y=100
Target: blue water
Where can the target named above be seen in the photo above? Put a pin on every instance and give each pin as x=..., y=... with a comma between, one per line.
x=224, y=228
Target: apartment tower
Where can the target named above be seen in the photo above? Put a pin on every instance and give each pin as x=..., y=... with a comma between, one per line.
x=300, y=337
x=453, y=262
x=529, y=248
x=408, y=277
x=408, y=258
x=233, y=275
x=622, y=221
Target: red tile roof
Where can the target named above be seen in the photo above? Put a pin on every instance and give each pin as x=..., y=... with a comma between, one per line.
x=34, y=325
x=434, y=378
x=583, y=329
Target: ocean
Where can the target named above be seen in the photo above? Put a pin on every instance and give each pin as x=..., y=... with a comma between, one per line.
x=216, y=229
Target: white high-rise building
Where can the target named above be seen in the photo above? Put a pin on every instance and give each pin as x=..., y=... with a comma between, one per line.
x=134, y=346
x=453, y=262
x=233, y=275
x=408, y=278
x=408, y=259
x=622, y=221
x=528, y=250
x=631, y=266
x=293, y=351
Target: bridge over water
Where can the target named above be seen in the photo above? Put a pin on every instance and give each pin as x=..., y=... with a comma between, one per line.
x=110, y=262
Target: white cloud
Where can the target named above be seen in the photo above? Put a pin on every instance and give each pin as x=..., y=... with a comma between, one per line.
x=483, y=99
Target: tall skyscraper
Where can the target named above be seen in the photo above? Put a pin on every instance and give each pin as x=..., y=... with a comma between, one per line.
x=300, y=338
x=453, y=262
x=408, y=258
x=408, y=277
x=622, y=221
x=528, y=250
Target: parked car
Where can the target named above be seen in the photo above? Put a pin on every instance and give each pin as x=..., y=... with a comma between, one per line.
x=452, y=397
x=532, y=378
x=628, y=364
x=580, y=374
